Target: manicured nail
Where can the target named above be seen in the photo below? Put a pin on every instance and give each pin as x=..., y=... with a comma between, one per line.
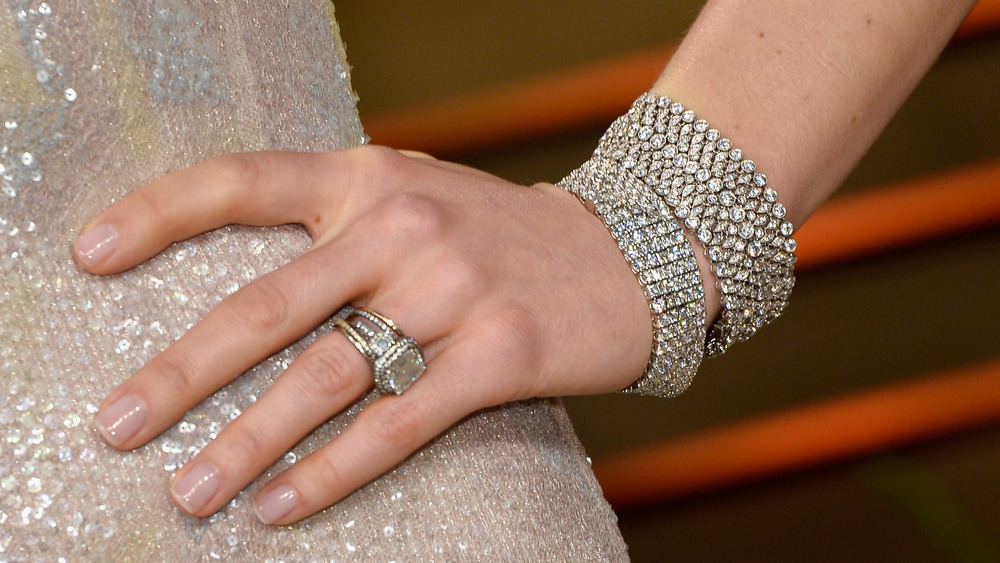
x=120, y=420
x=196, y=487
x=96, y=243
x=276, y=503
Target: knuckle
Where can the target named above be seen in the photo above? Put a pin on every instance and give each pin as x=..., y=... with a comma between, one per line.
x=179, y=373
x=396, y=425
x=324, y=373
x=246, y=443
x=152, y=207
x=240, y=173
x=516, y=335
x=263, y=305
x=457, y=274
x=326, y=473
x=370, y=164
x=239, y=169
x=410, y=216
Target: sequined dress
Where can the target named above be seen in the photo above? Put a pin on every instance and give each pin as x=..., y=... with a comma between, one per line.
x=97, y=98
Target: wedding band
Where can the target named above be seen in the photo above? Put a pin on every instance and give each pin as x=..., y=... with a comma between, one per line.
x=396, y=359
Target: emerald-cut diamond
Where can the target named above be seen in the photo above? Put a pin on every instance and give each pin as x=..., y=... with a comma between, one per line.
x=399, y=367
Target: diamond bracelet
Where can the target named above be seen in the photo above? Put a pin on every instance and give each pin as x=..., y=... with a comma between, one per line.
x=719, y=196
x=663, y=261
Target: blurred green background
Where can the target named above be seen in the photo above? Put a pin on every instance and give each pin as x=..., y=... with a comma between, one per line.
x=896, y=316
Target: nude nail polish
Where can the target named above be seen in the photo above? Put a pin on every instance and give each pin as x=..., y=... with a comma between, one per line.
x=96, y=244
x=276, y=503
x=196, y=487
x=120, y=420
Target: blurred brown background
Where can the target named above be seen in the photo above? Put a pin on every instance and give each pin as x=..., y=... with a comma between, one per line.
x=895, y=316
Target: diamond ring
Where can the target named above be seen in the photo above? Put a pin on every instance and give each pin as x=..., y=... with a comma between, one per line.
x=396, y=359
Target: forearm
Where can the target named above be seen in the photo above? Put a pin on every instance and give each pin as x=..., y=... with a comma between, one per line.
x=804, y=88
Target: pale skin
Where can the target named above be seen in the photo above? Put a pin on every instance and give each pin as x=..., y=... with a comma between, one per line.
x=509, y=289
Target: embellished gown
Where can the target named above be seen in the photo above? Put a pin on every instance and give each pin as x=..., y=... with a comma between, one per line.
x=98, y=98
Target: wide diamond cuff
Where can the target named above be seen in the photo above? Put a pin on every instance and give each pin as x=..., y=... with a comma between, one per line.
x=719, y=195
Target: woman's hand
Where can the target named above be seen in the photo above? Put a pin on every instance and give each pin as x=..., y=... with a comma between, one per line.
x=512, y=292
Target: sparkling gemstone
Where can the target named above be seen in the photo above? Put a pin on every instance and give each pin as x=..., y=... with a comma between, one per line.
x=399, y=367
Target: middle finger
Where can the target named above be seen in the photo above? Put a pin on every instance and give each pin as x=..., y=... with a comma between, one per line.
x=324, y=380
x=245, y=328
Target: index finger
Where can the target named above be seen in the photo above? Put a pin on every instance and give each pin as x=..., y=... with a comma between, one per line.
x=261, y=188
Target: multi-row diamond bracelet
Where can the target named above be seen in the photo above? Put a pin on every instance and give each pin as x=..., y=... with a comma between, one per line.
x=660, y=165
x=663, y=261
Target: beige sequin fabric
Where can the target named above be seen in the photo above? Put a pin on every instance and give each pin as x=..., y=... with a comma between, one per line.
x=98, y=98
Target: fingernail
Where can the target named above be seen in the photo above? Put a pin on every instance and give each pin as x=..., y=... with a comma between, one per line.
x=120, y=420
x=96, y=243
x=276, y=503
x=196, y=487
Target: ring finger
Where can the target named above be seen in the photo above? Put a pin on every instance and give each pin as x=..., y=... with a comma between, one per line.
x=329, y=376
x=384, y=434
